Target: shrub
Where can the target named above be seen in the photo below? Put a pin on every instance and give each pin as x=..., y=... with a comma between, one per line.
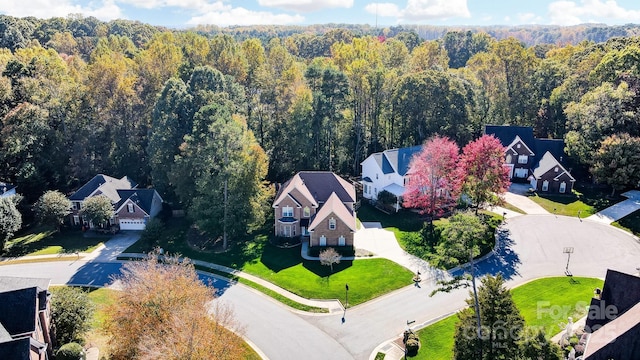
x=386, y=197
x=412, y=343
x=71, y=310
x=70, y=351
x=344, y=251
x=152, y=232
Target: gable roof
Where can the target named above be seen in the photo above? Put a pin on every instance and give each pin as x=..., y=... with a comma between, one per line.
x=336, y=206
x=141, y=197
x=548, y=162
x=105, y=185
x=18, y=310
x=396, y=160
x=16, y=349
x=317, y=186
x=9, y=283
x=506, y=134
x=516, y=140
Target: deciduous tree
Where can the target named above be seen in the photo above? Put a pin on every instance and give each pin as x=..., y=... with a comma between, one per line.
x=617, y=162
x=52, y=208
x=164, y=312
x=10, y=219
x=329, y=257
x=433, y=185
x=485, y=176
x=71, y=312
x=97, y=210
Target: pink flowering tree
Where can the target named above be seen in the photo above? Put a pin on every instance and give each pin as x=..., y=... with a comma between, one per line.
x=434, y=179
x=485, y=176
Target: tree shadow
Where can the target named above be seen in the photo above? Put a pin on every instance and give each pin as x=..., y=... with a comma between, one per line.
x=324, y=271
x=504, y=260
x=278, y=259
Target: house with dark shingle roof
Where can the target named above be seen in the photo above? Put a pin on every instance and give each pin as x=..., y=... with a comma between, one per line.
x=318, y=205
x=7, y=189
x=25, y=322
x=537, y=161
x=386, y=171
x=613, y=319
x=133, y=207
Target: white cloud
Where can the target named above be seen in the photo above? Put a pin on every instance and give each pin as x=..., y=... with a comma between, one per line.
x=529, y=18
x=104, y=10
x=306, y=5
x=383, y=9
x=420, y=10
x=608, y=11
x=241, y=16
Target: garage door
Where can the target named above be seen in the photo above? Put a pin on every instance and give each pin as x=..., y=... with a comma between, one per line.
x=131, y=224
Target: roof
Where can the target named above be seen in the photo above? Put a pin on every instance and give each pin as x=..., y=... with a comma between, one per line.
x=16, y=350
x=547, y=163
x=18, y=310
x=141, y=197
x=339, y=209
x=395, y=189
x=554, y=146
x=317, y=186
x=8, y=283
x=6, y=187
x=396, y=160
x=105, y=185
x=506, y=134
x=608, y=339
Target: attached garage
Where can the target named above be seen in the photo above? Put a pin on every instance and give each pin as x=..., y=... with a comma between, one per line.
x=132, y=224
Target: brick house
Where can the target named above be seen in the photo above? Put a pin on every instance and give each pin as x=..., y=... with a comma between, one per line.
x=318, y=205
x=25, y=319
x=133, y=207
x=540, y=162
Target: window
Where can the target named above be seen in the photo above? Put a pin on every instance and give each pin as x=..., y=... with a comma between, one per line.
x=366, y=188
x=332, y=224
x=323, y=240
x=545, y=185
x=563, y=187
x=509, y=158
x=286, y=230
x=341, y=241
x=306, y=212
x=376, y=176
x=76, y=220
x=112, y=221
x=287, y=211
x=556, y=169
x=521, y=172
x=130, y=207
x=523, y=159
x=75, y=205
x=518, y=146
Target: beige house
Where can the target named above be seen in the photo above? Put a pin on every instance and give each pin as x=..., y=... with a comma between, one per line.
x=318, y=205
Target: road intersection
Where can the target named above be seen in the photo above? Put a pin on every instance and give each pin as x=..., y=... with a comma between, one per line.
x=530, y=247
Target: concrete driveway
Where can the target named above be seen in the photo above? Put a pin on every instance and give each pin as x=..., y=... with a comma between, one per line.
x=619, y=210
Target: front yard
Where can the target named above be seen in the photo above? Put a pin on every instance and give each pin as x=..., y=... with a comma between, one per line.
x=585, y=200
x=45, y=241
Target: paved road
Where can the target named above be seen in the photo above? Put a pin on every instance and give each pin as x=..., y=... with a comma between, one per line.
x=532, y=247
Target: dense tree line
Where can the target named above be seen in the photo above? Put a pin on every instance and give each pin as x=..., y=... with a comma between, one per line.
x=79, y=97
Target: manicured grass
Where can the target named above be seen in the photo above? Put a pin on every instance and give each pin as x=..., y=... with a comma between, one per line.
x=436, y=340
x=508, y=206
x=401, y=222
x=586, y=199
x=544, y=303
x=45, y=241
x=630, y=223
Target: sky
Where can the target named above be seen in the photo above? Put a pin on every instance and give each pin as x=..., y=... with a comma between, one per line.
x=188, y=13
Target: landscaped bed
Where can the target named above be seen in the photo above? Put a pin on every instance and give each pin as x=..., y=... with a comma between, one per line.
x=544, y=303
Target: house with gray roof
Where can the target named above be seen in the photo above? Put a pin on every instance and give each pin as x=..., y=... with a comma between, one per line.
x=539, y=162
x=133, y=207
x=318, y=205
x=387, y=171
x=25, y=321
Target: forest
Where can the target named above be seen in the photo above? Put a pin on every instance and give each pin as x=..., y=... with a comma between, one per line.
x=181, y=109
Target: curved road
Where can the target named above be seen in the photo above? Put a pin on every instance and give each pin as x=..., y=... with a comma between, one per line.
x=531, y=247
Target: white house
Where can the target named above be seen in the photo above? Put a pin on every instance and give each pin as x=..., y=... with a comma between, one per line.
x=386, y=170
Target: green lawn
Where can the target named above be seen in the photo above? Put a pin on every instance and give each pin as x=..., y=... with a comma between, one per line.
x=367, y=279
x=585, y=199
x=630, y=223
x=546, y=303
x=401, y=222
x=45, y=241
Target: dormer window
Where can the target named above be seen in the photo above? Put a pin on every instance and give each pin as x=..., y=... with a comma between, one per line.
x=287, y=211
x=332, y=224
x=130, y=207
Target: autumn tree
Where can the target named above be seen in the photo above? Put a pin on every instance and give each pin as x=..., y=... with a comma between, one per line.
x=502, y=324
x=97, y=210
x=617, y=162
x=485, y=176
x=52, y=208
x=433, y=185
x=329, y=257
x=164, y=311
